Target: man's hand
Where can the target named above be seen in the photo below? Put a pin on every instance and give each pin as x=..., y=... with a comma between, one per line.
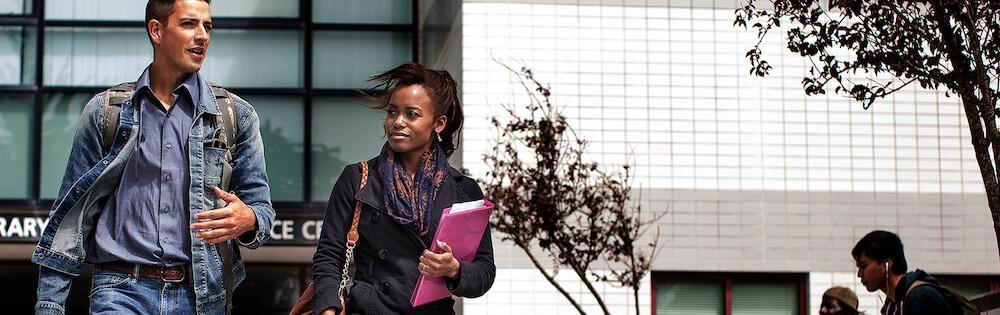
x=223, y=224
x=439, y=265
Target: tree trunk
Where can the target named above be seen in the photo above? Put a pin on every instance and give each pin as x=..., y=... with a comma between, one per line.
x=984, y=136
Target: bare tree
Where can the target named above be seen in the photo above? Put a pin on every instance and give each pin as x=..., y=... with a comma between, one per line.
x=548, y=197
x=894, y=43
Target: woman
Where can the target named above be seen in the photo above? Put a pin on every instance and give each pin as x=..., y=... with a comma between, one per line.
x=408, y=186
x=839, y=301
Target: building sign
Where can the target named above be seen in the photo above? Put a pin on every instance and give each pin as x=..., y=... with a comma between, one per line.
x=26, y=226
x=22, y=227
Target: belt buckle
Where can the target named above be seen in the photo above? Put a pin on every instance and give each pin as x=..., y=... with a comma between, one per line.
x=163, y=274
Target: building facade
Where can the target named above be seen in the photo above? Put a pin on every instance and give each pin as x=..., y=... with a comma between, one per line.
x=763, y=190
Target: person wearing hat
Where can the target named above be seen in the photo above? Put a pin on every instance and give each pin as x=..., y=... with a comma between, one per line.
x=839, y=301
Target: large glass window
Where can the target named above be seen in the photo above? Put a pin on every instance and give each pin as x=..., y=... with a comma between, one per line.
x=15, y=7
x=344, y=59
x=749, y=294
x=17, y=55
x=60, y=117
x=132, y=10
x=54, y=60
x=694, y=297
x=752, y=297
x=85, y=56
x=94, y=10
x=281, y=127
x=255, y=8
x=16, y=138
x=363, y=11
x=344, y=132
x=255, y=59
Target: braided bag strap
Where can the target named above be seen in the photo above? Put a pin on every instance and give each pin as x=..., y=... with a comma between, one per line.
x=352, y=240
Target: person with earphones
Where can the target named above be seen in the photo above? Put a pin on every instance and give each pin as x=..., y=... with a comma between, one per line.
x=882, y=267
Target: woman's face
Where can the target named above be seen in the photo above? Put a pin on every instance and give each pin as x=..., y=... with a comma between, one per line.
x=831, y=306
x=410, y=121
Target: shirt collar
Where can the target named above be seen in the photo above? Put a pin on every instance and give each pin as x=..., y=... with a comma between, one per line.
x=190, y=85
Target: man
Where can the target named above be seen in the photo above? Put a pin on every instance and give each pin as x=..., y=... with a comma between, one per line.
x=148, y=213
x=882, y=266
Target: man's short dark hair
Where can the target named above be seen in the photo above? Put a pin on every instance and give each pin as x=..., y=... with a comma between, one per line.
x=161, y=10
x=881, y=246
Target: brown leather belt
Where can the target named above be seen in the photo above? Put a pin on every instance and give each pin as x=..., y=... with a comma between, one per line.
x=167, y=274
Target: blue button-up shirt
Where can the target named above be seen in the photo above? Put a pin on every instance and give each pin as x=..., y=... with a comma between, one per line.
x=146, y=220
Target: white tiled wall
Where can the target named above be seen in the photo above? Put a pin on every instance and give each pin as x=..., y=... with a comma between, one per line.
x=525, y=291
x=753, y=175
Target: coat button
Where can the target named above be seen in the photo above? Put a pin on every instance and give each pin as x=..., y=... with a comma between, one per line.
x=374, y=217
x=384, y=287
x=383, y=254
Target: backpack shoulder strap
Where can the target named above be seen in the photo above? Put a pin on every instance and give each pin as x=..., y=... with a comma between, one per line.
x=915, y=284
x=113, y=100
x=228, y=118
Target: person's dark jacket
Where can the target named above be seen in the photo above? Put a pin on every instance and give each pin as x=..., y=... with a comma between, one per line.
x=922, y=300
x=387, y=253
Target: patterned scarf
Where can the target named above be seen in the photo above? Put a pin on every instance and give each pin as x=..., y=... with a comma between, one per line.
x=410, y=200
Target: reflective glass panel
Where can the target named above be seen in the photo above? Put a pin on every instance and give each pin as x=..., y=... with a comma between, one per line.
x=60, y=117
x=94, y=56
x=694, y=297
x=255, y=8
x=17, y=55
x=343, y=60
x=255, y=58
x=15, y=7
x=344, y=132
x=95, y=10
x=281, y=127
x=132, y=10
x=16, y=142
x=363, y=11
x=108, y=56
x=765, y=297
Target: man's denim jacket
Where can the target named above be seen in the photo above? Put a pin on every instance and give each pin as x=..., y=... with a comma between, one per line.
x=91, y=178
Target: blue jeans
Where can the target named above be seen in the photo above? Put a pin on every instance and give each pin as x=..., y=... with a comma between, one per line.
x=119, y=293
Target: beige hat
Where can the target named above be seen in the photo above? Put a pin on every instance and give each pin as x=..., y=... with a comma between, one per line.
x=843, y=294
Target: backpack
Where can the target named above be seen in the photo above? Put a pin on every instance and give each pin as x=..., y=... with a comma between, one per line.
x=113, y=99
x=957, y=301
x=115, y=96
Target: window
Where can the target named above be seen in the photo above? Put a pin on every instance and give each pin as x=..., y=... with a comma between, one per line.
x=15, y=145
x=729, y=294
x=300, y=63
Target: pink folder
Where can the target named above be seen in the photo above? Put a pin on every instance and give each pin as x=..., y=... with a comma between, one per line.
x=462, y=231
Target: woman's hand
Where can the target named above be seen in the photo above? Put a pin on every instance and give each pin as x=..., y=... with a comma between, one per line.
x=330, y=311
x=439, y=265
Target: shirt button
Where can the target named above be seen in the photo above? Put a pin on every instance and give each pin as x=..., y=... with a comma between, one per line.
x=374, y=217
x=165, y=240
x=167, y=177
x=383, y=254
x=166, y=209
x=169, y=146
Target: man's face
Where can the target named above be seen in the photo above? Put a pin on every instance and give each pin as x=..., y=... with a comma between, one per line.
x=183, y=39
x=872, y=273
